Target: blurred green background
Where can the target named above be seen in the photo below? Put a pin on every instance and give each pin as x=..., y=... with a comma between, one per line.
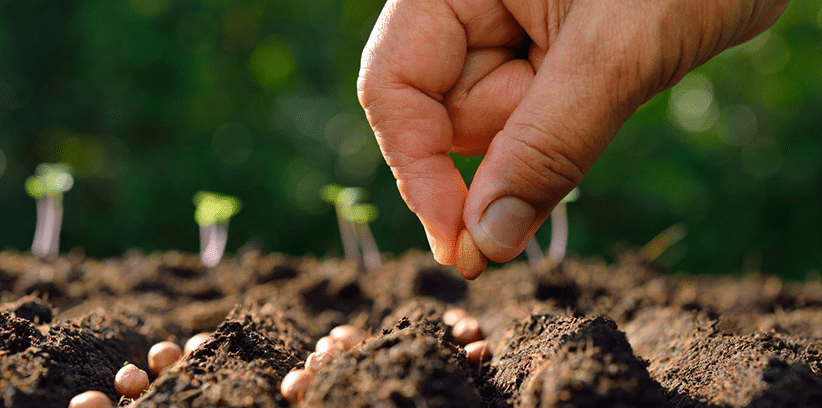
x=153, y=100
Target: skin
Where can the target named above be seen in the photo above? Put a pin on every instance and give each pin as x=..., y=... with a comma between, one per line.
x=538, y=86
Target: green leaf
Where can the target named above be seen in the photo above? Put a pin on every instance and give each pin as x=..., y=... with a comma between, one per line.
x=213, y=208
x=49, y=179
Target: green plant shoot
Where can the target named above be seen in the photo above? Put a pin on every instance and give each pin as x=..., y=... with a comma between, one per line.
x=353, y=218
x=213, y=212
x=47, y=185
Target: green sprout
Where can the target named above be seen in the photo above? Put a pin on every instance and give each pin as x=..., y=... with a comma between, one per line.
x=559, y=236
x=213, y=211
x=353, y=218
x=47, y=185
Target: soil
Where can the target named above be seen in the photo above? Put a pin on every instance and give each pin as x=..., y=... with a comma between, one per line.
x=579, y=334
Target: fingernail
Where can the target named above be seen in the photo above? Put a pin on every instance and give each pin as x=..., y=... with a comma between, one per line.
x=504, y=224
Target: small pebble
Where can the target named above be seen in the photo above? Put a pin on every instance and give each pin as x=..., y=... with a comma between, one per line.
x=163, y=355
x=348, y=335
x=90, y=399
x=131, y=381
x=467, y=330
x=195, y=342
x=477, y=351
x=330, y=345
x=296, y=384
x=452, y=316
x=317, y=360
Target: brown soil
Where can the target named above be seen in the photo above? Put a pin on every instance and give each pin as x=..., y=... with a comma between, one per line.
x=582, y=334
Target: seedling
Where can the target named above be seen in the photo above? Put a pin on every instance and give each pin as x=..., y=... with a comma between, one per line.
x=559, y=236
x=47, y=186
x=212, y=215
x=353, y=218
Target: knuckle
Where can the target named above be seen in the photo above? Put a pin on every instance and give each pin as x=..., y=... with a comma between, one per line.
x=545, y=166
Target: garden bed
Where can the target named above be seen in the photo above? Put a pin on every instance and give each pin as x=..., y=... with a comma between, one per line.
x=581, y=334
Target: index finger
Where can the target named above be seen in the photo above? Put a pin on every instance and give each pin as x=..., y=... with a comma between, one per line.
x=413, y=57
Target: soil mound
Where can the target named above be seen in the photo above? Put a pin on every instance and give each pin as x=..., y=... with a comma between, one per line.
x=580, y=334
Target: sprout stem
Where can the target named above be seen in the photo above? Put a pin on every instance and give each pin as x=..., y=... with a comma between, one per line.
x=47, y=186
x=559, y=234
x=534, y=254
x=213, y=238
x=371, y=254
x=46, y=244
x=348, y=235
x=353, y=218
x=212, y=213
x=559, y=228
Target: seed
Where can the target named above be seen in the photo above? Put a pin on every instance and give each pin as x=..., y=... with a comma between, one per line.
x=163, y=355
x=452, y=316
x=330, y=345
x=317, y=360
x=466, y=330
x=90, y=399
x=477, y=351
x=470, y=260
x=131, y=381
x=296, y=384
x=195, y=342
x=348, y=335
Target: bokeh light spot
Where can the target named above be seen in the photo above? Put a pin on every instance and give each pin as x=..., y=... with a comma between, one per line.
x=692, y=105
x=737, y=125
x=768, y=53
x=271, y=63
x=232, y=143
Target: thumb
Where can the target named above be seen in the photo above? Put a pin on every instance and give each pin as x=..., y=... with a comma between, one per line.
x=563, y=124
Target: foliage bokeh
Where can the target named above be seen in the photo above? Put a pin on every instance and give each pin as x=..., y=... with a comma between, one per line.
x=151, y=101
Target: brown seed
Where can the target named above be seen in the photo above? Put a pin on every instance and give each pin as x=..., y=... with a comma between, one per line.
x=348, y=335
x=296, y=384
x=131, y=381
x=330, y=345
x=452, y=316
x=467, y=330
x=470, y=260
x=195, y=342
x=478, y=351
x=163, y=355
x=317, y=360
x=90, y=399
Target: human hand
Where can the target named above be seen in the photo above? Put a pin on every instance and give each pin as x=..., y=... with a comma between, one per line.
x=538, y=86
